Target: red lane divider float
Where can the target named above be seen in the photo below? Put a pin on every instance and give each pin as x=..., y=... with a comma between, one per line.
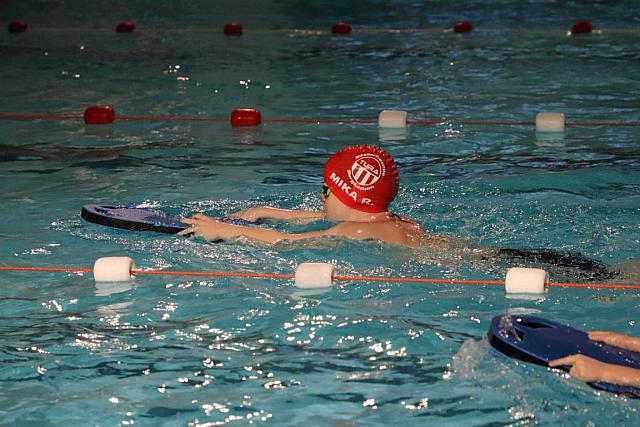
x=462, y=27
x=582, y=27
x=101, y=115
x=336, y=278
x=232, y=29
x=246, y=117
x=18, y=27
x=125, y=27
x=341, y=28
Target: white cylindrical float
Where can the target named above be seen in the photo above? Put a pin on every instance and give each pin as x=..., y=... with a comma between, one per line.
x=525, y=280
x=392, y=119
x=312, y=275
x=550, y=122
x=114, y=269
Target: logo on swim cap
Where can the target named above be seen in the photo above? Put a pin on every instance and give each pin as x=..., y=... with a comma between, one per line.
x=366, y=170
x=363, y=177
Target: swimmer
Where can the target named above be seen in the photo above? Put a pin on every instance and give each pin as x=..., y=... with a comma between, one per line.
x=590, y=370
x=359, y=184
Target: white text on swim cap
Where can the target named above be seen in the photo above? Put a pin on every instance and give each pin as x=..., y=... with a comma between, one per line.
x=347, y=189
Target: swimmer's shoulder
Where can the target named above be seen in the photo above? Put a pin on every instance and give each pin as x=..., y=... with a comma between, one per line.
x=390, y=231
x=418, y=236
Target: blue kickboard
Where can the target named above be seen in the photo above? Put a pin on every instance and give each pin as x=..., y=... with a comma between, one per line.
x=140, y=219
x=537, y=340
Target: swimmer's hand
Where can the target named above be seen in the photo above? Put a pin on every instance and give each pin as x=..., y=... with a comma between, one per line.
x=203, y=226
x=251, y=214
x=582, y=367
x=215, y=230
x=590, y=370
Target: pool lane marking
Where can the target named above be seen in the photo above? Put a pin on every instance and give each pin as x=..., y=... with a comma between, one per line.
x=19, y=116
x=336, y=278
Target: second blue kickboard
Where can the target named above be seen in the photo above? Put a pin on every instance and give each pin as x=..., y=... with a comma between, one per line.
x=140, y=219
x=537, y=340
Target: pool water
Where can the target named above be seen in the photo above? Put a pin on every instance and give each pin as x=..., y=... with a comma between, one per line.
x=183, y=350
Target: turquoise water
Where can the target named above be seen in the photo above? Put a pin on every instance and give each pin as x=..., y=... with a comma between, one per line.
x=193, y=351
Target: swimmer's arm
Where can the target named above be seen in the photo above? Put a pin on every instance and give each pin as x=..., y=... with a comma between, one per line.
x=274, y=214
x=616, y=339
x=211, y=229
x=590, y=370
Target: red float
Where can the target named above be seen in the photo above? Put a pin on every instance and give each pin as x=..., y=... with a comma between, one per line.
x=18, y=26
x=233, y=29
x=582, y=27
x=245, y=117
x=99, y=115
x=125, y=27
x=341, y=28
x=463, y=27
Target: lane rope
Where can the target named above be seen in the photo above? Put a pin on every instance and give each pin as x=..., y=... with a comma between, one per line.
x=27, y=116
x=320, y=32
x=336, y=278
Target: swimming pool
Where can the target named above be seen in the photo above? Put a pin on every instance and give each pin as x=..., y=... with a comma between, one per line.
x=193, y=351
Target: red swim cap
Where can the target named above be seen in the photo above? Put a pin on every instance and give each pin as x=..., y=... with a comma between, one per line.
x=363, y=177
